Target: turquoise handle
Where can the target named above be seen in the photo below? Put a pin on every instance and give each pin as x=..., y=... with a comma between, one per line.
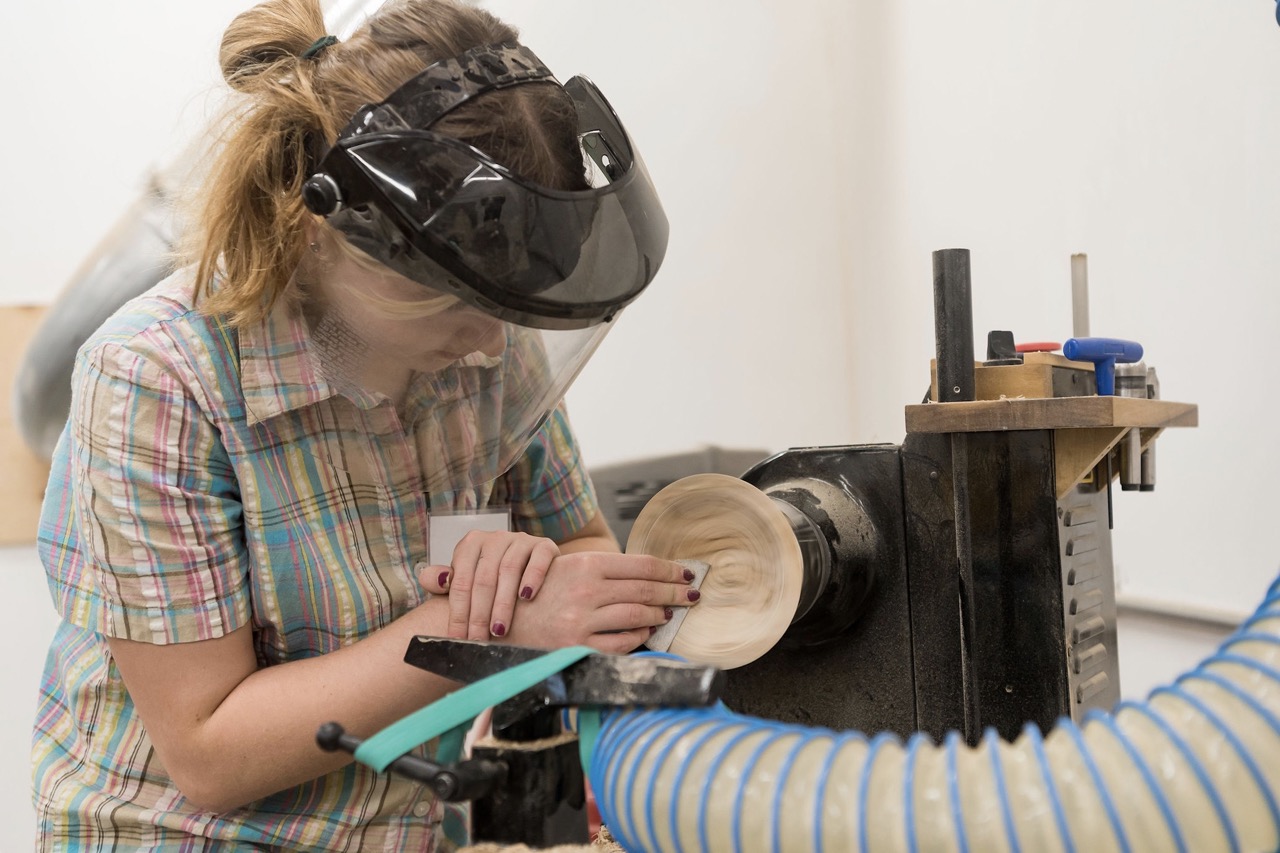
x=452, y=714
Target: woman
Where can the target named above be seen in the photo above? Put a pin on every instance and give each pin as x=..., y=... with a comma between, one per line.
x=400, y=261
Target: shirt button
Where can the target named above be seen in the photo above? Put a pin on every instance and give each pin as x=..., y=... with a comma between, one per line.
x=422, y=809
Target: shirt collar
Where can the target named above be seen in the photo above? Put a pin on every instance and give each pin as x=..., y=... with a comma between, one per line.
x=278, y=368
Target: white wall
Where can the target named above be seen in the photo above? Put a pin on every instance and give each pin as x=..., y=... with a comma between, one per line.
x=1142, y=133
x=811, y=156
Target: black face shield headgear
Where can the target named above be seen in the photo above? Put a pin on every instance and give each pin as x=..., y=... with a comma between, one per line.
x=447, y=215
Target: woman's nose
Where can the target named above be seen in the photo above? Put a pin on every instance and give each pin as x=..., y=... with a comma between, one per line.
x=482, y=332
x=493, y=341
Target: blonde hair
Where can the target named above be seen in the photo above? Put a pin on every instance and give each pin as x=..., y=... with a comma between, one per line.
x=249, y=227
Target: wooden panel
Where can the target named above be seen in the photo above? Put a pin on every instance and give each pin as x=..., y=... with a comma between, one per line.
x=1076, y=451
x=22, y=474
x=1054, y=413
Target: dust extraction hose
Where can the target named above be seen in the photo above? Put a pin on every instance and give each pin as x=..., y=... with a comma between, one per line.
x=1196, y=767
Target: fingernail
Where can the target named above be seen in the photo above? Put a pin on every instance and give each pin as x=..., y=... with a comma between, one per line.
x=526, y=593
x=689, y=575
x=693, y=595
x=667, y=613
x=653, y=629
x=498, y=629
x=443, y=579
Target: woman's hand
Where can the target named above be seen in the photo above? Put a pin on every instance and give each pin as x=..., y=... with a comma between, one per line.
x=490, y=569
x=612, y=602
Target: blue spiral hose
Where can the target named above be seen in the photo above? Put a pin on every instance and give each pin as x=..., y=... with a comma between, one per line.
x=1195, y=767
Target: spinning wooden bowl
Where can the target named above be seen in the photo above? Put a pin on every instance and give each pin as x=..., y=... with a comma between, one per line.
x=751, y=593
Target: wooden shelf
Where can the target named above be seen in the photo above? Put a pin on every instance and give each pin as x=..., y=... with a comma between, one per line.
x=1085, y=429
x=1050, y=413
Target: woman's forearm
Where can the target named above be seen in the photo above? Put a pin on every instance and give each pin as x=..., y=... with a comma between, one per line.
x=230, y=733
x=595, y=535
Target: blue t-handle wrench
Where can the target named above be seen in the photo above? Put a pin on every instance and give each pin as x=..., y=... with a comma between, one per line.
x=1105, y=353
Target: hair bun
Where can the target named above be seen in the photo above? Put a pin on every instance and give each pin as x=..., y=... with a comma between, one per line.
x=269, y=39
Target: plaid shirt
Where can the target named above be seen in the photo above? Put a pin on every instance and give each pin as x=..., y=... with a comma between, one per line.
x=193, y=493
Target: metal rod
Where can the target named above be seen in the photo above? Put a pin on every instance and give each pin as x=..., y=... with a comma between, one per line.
x=1149, y=455
x=465, y=781
x=1080, y=295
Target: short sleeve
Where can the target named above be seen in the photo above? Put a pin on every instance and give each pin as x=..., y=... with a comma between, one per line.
x=549, y=491
x=152, y=548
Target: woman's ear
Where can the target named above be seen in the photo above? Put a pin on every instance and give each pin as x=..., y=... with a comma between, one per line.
x=311, y=233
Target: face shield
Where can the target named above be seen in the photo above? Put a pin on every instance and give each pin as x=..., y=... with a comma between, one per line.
x=459, y=293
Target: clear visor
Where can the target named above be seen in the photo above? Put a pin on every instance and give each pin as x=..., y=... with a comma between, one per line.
x=421, y=385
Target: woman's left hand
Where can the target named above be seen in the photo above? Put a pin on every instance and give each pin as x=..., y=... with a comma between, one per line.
x=490, y=570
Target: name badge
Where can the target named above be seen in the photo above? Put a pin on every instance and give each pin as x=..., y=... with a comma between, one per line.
x=447, y=530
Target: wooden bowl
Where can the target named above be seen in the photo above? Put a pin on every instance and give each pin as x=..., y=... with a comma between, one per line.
x=750, y=595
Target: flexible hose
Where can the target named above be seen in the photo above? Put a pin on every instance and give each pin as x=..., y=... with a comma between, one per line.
x=1196, y=767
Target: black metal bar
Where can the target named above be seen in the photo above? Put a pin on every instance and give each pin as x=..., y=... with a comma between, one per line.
x=964, y=567
x=953, y=325
x=936, y=648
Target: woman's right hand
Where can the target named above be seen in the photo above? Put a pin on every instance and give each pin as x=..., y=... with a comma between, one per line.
x=611, y=602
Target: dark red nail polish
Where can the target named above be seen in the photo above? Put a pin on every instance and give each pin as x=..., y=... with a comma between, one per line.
x=689, y=575
x=526, y=593
x=653, y=629
x=667, y=613
x=498, y=629
x=443, y=579
x=693, y=594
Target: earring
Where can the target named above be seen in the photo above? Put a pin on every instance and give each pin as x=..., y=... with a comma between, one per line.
x=315, y=248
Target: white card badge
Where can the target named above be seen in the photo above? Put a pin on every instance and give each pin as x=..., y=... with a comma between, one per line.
x=447, y=530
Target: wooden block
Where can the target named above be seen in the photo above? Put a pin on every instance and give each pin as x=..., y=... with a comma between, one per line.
x=1041, y=374
x=23, y=475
